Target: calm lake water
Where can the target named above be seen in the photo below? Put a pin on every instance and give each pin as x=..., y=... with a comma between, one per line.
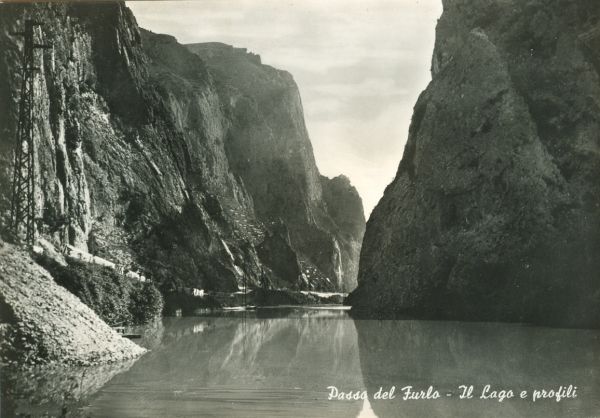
x=280, y=362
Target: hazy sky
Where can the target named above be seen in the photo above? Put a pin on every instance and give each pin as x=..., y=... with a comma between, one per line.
x=360, y=66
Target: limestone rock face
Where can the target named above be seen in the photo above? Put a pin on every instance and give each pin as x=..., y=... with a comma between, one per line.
x=150, y=159
x=276, y=252
x=494, y=213
x=344, y=205
x=268, y=148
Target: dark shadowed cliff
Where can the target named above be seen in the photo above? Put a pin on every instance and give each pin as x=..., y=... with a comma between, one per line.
x=150, y=158
x=494, y=213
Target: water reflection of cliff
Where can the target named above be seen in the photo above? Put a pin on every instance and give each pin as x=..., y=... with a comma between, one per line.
x=448, y=354
x=279, y=363
x=53, y=390
x=273, y=366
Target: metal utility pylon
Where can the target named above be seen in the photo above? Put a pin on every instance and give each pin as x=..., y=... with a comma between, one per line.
x=23, y=187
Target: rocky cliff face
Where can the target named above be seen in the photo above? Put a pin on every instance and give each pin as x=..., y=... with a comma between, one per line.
x=269, y=149
x=344, y=206
x=494, y=213
x=149, y=158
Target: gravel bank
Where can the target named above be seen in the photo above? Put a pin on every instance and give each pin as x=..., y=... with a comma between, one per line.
x=41, y=322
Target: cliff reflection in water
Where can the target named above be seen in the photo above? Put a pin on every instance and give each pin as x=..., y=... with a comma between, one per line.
x=271, y=363
x=52, y=390
x=505, y=356
x=279, y=362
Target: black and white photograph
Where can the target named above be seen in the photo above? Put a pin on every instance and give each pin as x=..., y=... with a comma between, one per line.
x=300, y=208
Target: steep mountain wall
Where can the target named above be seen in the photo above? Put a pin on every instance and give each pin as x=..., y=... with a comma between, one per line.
x=135, y=161
x=494, y=213
x=269, y=148
x=344, y=206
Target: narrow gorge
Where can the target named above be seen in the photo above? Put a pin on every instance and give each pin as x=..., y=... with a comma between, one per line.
x=178, y=251
x=191, y=164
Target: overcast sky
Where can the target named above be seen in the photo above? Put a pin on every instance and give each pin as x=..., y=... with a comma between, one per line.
x=360, y=66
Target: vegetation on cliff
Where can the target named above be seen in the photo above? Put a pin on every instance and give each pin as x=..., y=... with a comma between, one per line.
x=42, y=322
x=118, y=300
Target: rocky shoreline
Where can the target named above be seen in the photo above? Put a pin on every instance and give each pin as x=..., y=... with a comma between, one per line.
x=188, y=305
x=41, y=322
